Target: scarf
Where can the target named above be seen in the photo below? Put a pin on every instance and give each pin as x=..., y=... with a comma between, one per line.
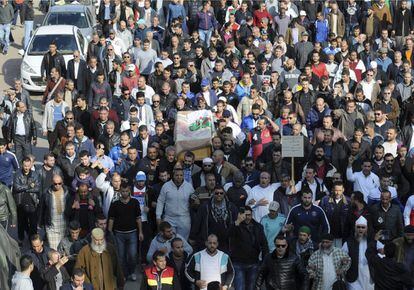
x=219, y=212
x=59, y=202
x=303, y=248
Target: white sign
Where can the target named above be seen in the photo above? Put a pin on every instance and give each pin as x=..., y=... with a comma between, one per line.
x=292, y=146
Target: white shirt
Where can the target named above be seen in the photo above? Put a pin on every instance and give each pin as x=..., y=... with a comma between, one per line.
x=412, y=139
x=409, y=206
x=362, y=183
x=390, y=148
x=210, y=267
x=257, y=193
x=144, y=147
x=328, y=274
x=20, y=125
x=76, y=68
x=312, y=187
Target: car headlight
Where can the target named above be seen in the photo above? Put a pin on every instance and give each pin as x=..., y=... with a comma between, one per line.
x=26, y=67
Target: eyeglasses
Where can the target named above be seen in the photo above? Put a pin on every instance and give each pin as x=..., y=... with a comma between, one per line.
x=281, y=246
x=57, y=183
x=219, y=193
x=377, y=114
x=109, y=49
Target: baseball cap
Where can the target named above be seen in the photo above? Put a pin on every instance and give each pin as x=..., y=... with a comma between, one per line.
x=226, y=114
x=302, y=13
x=140, y=176
x=274, y=205
x=131, y=67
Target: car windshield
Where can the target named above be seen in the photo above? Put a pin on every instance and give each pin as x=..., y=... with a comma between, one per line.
x=66, y=44
x=68, y=18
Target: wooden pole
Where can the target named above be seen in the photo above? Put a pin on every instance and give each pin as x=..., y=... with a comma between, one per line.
x=293, y=170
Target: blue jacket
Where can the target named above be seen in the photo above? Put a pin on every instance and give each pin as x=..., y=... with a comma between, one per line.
x=8, y=164
x=247, y=123
x=314, y=119
x=314, y=218
x=322, y=30
x=175, y=11
x=85, y=144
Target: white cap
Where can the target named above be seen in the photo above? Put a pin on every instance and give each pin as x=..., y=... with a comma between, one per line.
x=207, y=160
x=361, y=221
x=131, y=67
x=373, y=64
x=222, y=99
x=302, y=13
x=274, y=205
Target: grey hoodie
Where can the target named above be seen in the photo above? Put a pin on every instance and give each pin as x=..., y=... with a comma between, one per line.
x=21, y=281
x=158, y=242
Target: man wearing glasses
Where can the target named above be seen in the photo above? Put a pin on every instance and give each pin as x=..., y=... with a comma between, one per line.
x=52, y=204
x=77, y=71
x=283, y=268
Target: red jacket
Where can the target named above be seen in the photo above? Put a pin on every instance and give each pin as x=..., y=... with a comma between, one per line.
x=153, y=280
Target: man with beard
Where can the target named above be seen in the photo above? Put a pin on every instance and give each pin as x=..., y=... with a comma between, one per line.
x=214, y=217
x=177, y=259
x=358, y=275
x=237, y=191
x=277, y=167
x=150, y=165
x=307, y=214
x=282, y=269
x=327, y=263
x=374, y=197
x=303, y=246
x=324, y=169
x=200, y=272
x=100, y=263
x=404, y=252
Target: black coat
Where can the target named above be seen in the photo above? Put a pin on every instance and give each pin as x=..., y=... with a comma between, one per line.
x=80, y=81
x=286, y=273
x=29, y=126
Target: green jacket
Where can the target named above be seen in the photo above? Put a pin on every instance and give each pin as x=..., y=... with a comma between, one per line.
x=7, y=205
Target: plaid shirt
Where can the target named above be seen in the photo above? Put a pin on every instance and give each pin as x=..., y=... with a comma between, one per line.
x=341, y=260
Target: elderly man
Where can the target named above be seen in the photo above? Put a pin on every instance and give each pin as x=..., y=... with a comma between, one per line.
x=327, y=263
x=358, y=275
x=100, y=263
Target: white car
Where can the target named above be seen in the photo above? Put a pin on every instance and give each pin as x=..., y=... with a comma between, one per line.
x=68, y=39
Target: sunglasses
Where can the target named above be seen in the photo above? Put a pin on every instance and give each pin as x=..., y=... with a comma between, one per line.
x=361, y=227
x=57, y=183
x=126, y=56
x=219, y=193
x=281, y=246
x=249, y=165
x=155, y=101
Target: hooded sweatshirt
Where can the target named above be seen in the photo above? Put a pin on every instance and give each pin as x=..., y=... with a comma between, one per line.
x=160, y=242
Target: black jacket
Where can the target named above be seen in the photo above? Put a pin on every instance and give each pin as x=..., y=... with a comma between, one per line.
x=247, y=242
x=80, y=81
x=46, y=206
x=49, y=275
x=29, y=127
x=49, y=61
x=26, y=184
x=388, y=274
x=68, y=168
x=286, y=273
x=205, y=224
x=45, y=181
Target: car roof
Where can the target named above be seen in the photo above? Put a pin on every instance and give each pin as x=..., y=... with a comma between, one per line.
x=56, y=29
x=68, y=8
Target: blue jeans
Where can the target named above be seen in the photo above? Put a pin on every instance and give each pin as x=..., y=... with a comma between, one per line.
x=245, y=276
x=127, y=245
x=205, y=35
x=18, y=8
x=28, y=27
x=4, y=36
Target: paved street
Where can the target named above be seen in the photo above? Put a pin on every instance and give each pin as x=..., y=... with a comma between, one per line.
x=10, y=70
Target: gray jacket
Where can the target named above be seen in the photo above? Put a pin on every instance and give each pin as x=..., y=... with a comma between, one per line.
x=7, y=205
x=159, y=242
x=6, y=14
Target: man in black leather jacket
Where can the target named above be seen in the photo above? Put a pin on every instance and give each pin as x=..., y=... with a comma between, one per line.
x=26, y=192
x=282, y=270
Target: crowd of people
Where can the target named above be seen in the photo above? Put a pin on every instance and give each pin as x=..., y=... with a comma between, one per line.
x=115, y=197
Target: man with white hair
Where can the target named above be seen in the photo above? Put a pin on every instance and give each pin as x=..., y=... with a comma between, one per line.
x=100, y=263
x=358, y=275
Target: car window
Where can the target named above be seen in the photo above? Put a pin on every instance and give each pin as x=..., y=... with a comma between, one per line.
x=81, y=41
x=68, y=18
x=66, y=44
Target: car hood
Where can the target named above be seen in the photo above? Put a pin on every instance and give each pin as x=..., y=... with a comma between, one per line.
x=35, y=61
